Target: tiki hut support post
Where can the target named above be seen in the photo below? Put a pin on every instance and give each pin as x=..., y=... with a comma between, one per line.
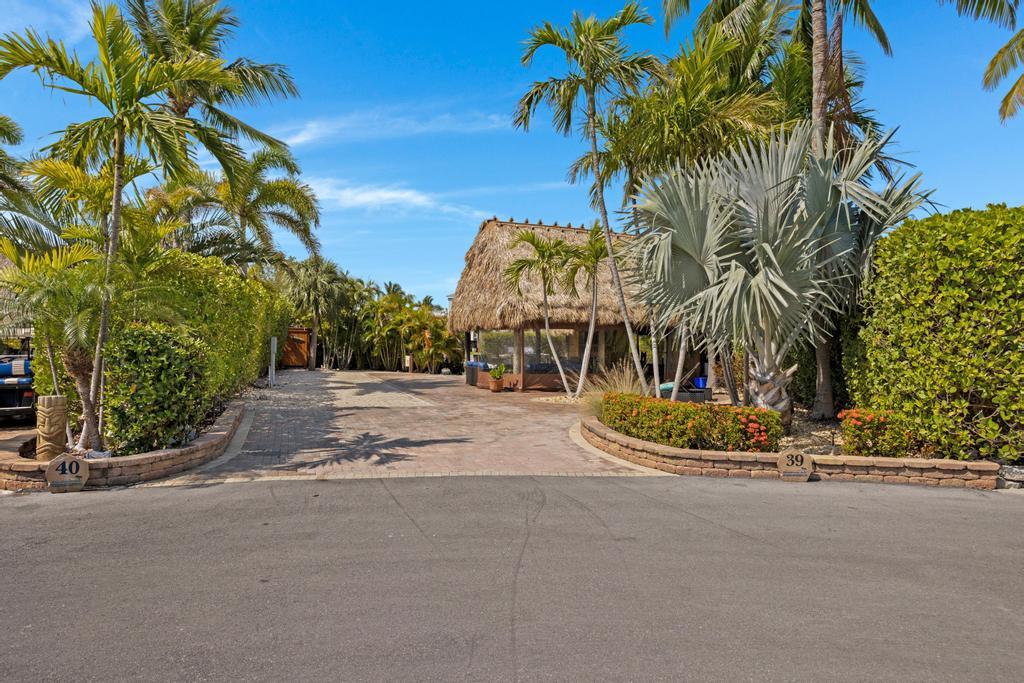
x=519, y=358
x=602, y=351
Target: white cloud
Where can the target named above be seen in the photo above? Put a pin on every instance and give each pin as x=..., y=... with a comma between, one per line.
x=522, y=188
x=343, y=195
x=66, y=20
x=380, y=124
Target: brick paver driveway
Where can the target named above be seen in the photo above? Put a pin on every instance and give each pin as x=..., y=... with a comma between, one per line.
x=354, y=424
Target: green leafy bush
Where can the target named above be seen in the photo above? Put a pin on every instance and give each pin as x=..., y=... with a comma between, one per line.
x=156, y=393
x=234, y=316
x=706, y=426
x=876, y=433
x=944, y=334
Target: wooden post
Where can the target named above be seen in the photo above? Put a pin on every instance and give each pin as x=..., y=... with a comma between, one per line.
x=602, y=351
x=51, y=426
x=272, y=370
x=519, y=357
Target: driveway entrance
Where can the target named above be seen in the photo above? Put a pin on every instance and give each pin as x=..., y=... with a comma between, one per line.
x=339, y=425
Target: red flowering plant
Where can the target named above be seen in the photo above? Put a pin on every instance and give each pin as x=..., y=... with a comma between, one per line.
x=877, y=433
x=706, y=426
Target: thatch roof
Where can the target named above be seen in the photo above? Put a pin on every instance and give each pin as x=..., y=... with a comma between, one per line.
x=483, y=302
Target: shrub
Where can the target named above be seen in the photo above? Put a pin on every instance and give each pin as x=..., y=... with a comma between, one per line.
x=706, y=426
x=234, y=316
x=876, y=433
x=156, y=394
x=944, y=338
x=620, y=378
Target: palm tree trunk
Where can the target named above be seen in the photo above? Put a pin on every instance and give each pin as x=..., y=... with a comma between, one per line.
x=602, y=207
x=730, y=378
x=819, y=61
x=313, y=342
x=769, y=383
x=824, y=407
x=656, y=362
x=551, y=345
x=683, y=334
x=746, y=378
x=91, y=434
x=590, y=337
x=79, y=368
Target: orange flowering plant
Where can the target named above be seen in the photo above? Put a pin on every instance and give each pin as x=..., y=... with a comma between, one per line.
x=876, y=433
x=706, y=426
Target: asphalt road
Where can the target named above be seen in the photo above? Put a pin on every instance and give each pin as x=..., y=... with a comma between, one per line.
x=513, y=578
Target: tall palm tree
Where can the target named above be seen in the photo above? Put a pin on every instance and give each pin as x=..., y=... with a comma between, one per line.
x=696, y=109
x=548, y=261
x=314, y=286
x=1008, y=59
x=599, y=66
x=172, y=30
x=776, y=255
x=128, y=86
x=258, y=201
x=587, y=259
x=831, y=101
x=10, y=134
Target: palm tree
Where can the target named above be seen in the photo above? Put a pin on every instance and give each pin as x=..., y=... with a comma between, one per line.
x=172, y=30
x=831, y=101
x=548, y=261
x=696, y=109
x=1008, y=59
x=587, y=258
x=50, y=288
x=257, y=201
x=313, y=288
x=128, y=85
x=599, y=65
x=776, y=256
x=10, y=134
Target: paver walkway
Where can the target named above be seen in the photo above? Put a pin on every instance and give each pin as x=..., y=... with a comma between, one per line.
x=335, y=425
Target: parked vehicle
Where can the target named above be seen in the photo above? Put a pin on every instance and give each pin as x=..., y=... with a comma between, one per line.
x=17, y=392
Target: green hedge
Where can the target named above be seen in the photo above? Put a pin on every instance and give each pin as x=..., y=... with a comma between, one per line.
x=234, y=316
x=944, y=334
x=156, y=394
x=706, y=426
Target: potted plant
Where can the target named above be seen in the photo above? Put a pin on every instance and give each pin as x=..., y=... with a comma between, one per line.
x=497, y=374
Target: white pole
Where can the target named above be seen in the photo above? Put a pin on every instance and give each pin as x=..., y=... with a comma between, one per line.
x=272, y=372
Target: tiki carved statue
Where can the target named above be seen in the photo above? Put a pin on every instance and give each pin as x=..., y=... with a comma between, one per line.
x=51, y=426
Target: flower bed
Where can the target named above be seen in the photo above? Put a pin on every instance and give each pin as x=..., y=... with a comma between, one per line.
x=739, y=465
x=692, y=425
x=20, y=474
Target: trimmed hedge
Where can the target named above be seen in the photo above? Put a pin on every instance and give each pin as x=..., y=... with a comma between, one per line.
x=705, y=426
x=234, y=316
x=944, y=334
x=156, y=388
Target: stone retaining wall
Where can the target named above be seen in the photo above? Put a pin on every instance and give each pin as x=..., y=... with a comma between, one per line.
x=951, y=473
x=19, y=474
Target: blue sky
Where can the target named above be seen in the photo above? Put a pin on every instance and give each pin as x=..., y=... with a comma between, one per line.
x=404, y=123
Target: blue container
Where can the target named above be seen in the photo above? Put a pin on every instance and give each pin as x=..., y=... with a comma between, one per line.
x=700, y=382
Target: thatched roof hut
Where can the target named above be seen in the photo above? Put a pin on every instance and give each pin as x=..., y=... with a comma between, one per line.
x=482, y=301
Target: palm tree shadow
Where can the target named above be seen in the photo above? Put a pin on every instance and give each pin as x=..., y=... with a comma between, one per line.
x=368, y=448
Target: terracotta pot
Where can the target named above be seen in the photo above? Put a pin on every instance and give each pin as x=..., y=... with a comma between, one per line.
x=497, y=384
